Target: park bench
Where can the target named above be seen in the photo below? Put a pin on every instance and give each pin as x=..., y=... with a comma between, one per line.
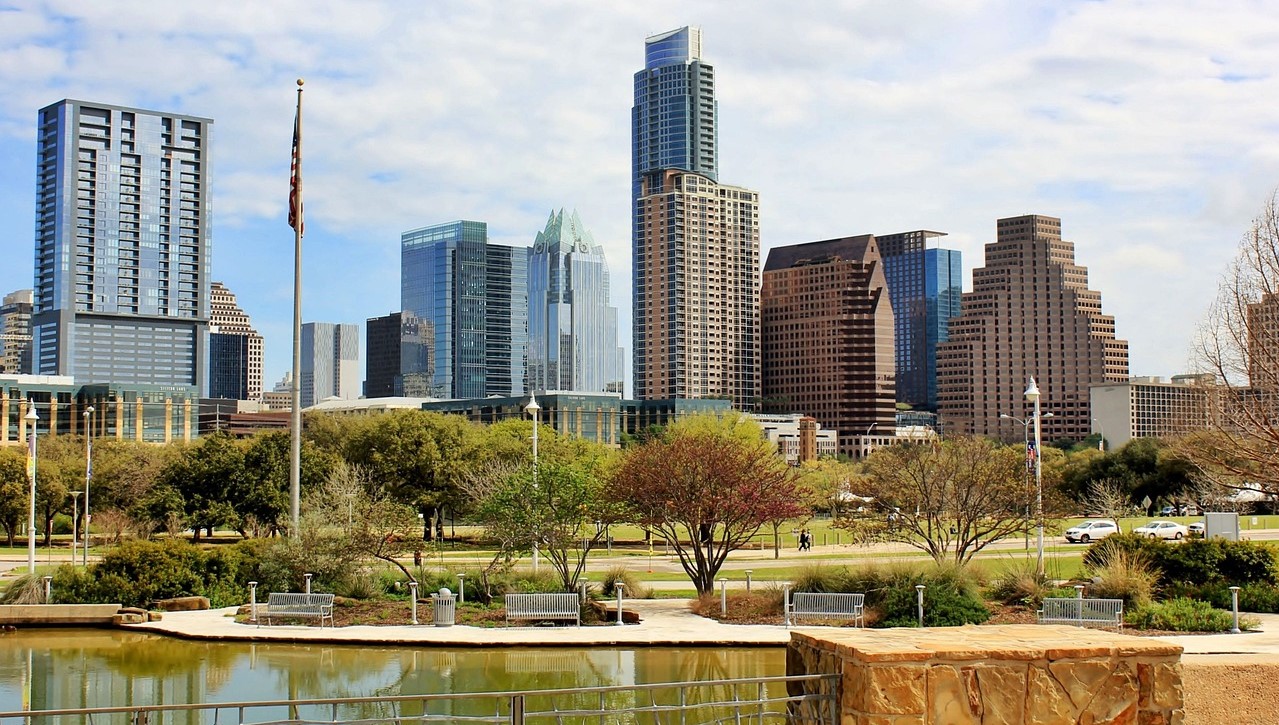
x=1083, y=612
x=826, y=605
x=292, y=605
x=544, y=607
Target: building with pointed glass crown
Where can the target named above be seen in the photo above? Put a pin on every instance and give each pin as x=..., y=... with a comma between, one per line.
x=695, y=241
x=572, y=328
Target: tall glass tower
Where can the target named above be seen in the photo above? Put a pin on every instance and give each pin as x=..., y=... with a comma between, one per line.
x=465, y=306
x=673, y=121
x=925, y=286
x=572, y=326
x=695, y=241
x=123, y=244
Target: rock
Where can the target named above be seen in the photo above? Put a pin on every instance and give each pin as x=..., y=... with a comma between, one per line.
x=155, y=616
x=129, y=618
x=133, y=610
x=183, y=604
x=610, y=614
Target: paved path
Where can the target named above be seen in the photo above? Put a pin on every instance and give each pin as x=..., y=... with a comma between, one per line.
x=665, y=622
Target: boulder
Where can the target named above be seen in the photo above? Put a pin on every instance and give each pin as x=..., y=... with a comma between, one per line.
x=128, y=618
x=610, y=614
x=183, y=604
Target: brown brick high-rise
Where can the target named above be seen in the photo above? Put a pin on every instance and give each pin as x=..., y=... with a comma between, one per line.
x=1030, y=314
x=827, y=329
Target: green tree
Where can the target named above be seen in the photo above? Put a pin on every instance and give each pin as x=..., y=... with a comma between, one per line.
x=949, y=499
x=260, y=497
x=206, y=476
x=13, y=489
x=708, y=491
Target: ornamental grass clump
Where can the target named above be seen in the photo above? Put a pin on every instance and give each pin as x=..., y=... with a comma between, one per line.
x=1124, y=574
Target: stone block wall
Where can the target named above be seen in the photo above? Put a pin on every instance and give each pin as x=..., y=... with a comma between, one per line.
x=987, y=675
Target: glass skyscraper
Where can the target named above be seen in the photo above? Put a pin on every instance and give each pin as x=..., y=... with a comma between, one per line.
x=465, y=305
x=122, y=246
x=673, y=121
x=572, y=326
x=925, y=287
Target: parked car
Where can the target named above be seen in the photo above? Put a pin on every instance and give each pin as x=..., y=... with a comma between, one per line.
x=1091, y=530
x=1196, y=529
x=1168, y=511
x=1162, y=530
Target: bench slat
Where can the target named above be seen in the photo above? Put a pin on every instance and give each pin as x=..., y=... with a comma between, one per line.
x=1082, y=611
x=299, y=605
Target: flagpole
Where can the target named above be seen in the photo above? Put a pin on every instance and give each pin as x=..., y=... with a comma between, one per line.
x=295, y=418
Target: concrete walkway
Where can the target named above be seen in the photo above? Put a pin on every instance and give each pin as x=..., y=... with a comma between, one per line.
x=664, y=622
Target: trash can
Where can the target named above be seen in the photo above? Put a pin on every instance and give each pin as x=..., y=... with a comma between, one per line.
x=444, y=605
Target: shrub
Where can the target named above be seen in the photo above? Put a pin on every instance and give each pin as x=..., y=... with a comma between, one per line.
x=1252, y=597
x=1180, y=615
x=1204, y=561
x=633, y=588
x=951, y=593
x=26, y=589
x=1099, y=552
x=1124, y=574
x=821, y=578
x=1019, y=583
x=137, y=573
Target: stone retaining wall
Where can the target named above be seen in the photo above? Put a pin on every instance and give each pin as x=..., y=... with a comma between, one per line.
x=980, y=675
x=85, y=615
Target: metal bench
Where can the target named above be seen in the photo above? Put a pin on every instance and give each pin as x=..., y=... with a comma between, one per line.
x=544, y=607
x=1083, y=612
x=292, y=605
x=826, y=605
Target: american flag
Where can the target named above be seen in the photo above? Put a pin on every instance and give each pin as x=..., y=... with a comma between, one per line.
x=1030, y=454
x=295, y=177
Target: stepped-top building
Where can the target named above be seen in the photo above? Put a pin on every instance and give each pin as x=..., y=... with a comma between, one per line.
x=15, y=332
x=235, y=349
x=1030, y=314
x=572, y=327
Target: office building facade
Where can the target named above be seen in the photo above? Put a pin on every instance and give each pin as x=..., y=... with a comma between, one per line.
x=235, y=349
x=1151, y=407
x=695, y=242
x=1030, y=314
x=926, y=287
x=382, y=355
x=572, y=327
x=468, y=304
x=15, y=332
x=123, y=243
x=330, y=362
x=827, y=330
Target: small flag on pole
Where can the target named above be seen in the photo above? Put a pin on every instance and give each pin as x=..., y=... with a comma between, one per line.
x=1030, y=455
x=295, y=176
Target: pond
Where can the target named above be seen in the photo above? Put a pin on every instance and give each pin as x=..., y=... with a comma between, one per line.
x=81, y=668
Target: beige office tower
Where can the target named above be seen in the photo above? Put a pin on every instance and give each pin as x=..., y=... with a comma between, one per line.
x=696, y=327
x=1030, y=314
x=235, y=349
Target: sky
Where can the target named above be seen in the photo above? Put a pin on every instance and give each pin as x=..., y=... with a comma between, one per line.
x=1149, y=128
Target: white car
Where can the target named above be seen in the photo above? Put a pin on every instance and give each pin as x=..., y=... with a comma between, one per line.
x=1162, y=530
x=1091, y=530
x=1195, y=529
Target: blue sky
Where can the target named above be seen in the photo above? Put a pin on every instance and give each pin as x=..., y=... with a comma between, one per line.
x=1150, y=128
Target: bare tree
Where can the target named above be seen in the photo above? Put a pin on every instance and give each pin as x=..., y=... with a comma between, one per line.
x=949, y=499
x=1107, y=498
x=1238, y=349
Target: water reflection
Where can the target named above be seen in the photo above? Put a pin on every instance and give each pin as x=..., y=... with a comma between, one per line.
x=72, y=668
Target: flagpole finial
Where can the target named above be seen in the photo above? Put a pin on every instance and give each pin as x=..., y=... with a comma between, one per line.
x=300, y=82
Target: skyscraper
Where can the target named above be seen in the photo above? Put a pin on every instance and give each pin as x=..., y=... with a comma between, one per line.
x=827, y=330
x=15, y=332
x=235, y=349
x=572, y=327
x=382, y=343
x=1030, y=314
x=695, y=242
x=123, y=242
x=925, y=286
x=330, y=362
x=469, y=299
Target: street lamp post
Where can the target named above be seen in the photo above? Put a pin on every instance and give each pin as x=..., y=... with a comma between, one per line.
x=31, y=418
x=1025, y=429
x=75, y=511
x=88, y=476
x=1032, y=395
x=866, y=438
x=534, y=410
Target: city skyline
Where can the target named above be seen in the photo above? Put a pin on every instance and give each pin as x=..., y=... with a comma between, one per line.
x=1143, y=127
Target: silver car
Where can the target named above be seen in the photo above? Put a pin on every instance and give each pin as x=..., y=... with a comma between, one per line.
x=1091, y=530
x=1162, y=530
